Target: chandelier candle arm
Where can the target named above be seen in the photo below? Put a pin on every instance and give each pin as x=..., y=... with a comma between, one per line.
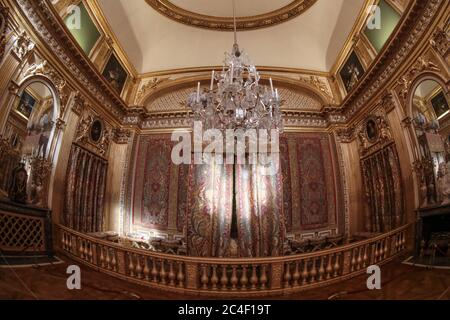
x=198, y=92
x=212, y=81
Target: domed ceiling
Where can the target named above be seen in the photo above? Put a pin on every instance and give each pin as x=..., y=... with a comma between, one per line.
x=311, y=37
x=216, y=14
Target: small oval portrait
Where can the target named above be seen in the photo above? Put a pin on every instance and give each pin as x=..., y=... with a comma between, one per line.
x=96, y=131
x=371, y=130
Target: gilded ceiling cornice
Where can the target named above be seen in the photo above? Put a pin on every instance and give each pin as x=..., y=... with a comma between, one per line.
x=411, y=31
x=49, y=26
x=292, y=10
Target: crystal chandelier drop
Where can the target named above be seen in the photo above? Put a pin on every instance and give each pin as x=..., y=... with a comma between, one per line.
x=235, y=99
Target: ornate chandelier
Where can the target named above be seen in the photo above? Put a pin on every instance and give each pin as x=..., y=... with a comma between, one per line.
x=235, y=99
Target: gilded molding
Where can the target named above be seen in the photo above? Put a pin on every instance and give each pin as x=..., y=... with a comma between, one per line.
x=121, y=136
x=383, y=136
x=83, y=135
x=409, y=35
x=171, y=11
x=48, y=26
x=4, y=17
x=441, y=42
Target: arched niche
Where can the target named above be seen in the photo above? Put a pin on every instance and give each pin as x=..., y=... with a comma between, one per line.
x=428, y=107
x=43, y=82
x=28, y=141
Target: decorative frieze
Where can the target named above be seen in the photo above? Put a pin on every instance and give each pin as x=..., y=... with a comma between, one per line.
x=410, y=34
x=121, y=136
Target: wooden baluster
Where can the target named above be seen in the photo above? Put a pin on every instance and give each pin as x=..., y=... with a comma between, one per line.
x=329, y=269
x=287, y=275
x=403, y=240
x=131, y=264
x=263, y=279
x=204, y=278
x=113, y=260
x=296, y=275
x=313, y=272
x=381, y=252
x=353, y=261
x=81, y=248
x=234, y=278
x=366, y=257
x=254, y=278
x=69, y=243
x=154, y=271
x=90, y=253
x=360, y=258
x=224, y=278
x=108, y=260
x=376, y=253
x=86, y=251
x=321, y=269
x=214, y=278
x=244, y=278
x=163, y=272
x=138, y=267
x=337, y=266
x=64, y=241
x=386, y=248
x=146, y=269
x=102, y=257
x=305, y=272
x=172, y=275
x=180, y=275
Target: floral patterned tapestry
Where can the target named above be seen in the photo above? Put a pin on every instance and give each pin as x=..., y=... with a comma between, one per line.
x=312, y=197
x=152, y=182
x=85, y=190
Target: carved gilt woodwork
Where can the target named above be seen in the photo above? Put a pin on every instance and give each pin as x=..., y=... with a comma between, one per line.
x=23, y=45
x=4, y=17
x=84, y=138
x=292, y=10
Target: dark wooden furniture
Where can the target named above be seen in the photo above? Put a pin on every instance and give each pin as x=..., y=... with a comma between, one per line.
x=25, y=230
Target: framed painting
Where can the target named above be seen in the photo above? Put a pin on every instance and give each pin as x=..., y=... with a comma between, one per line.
x=372, y=131
x=26, y=104
x=351, y=72
x=115, y=73
x=96, y=131
x=439, y=104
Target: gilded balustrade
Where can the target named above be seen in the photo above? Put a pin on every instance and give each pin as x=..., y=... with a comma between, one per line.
x=232, y=277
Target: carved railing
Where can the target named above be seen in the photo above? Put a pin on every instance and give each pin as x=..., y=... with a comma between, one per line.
x=232, y=277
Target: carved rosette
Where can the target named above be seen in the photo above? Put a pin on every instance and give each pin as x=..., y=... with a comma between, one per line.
x=40, y=175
